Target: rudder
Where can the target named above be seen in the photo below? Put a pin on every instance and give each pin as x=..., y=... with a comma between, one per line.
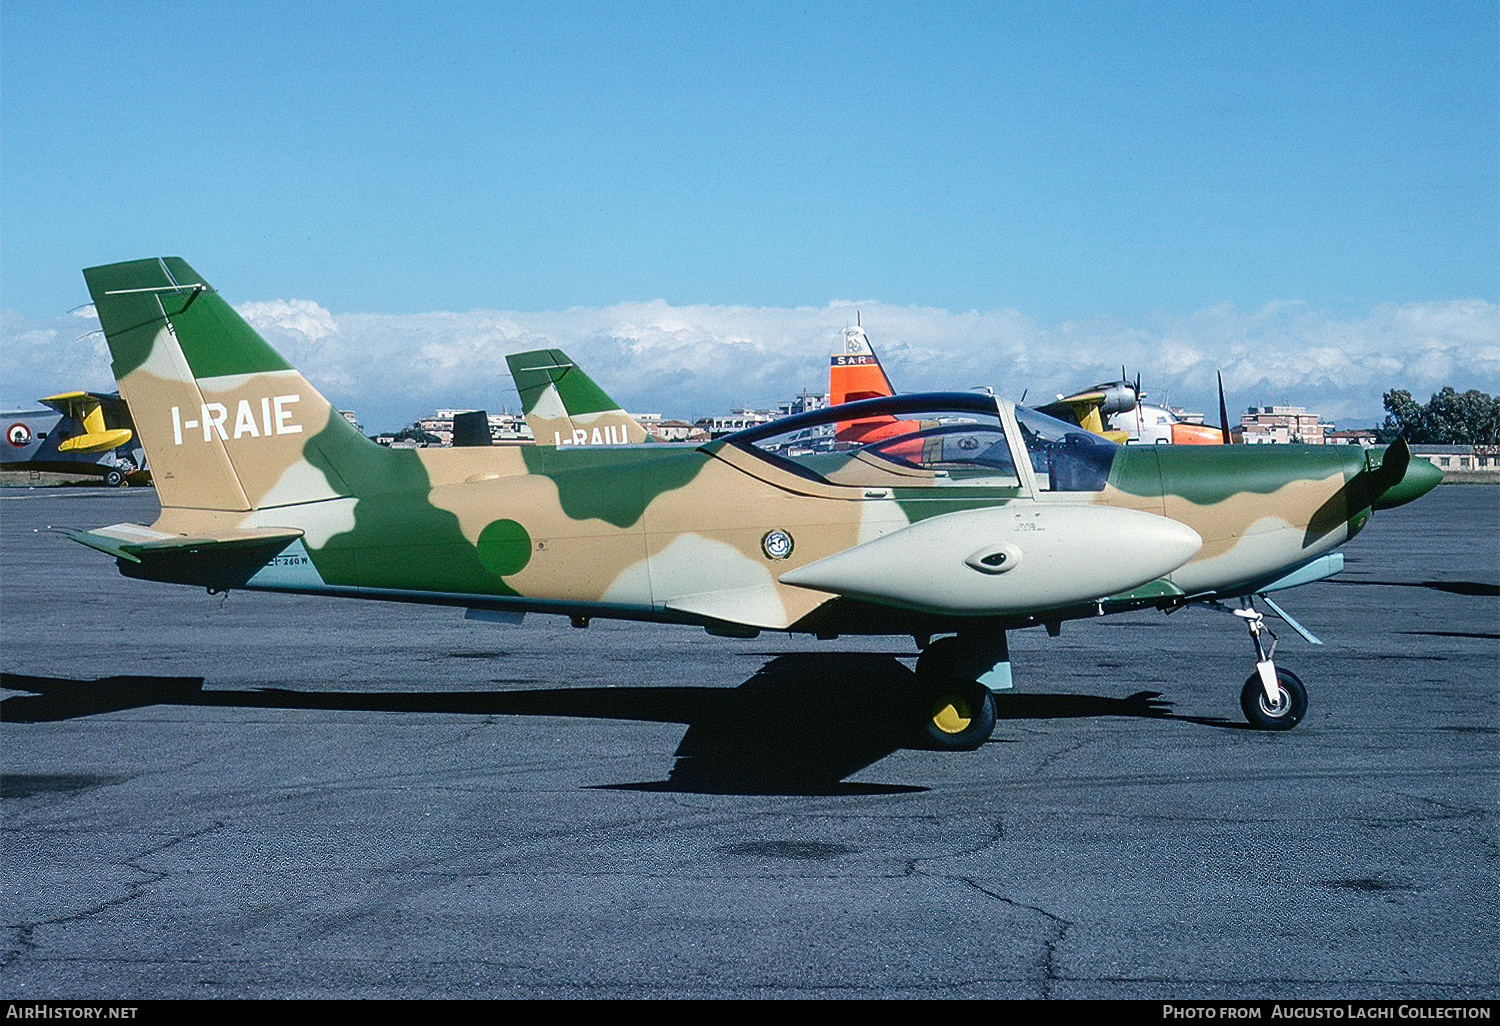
x=226, y=423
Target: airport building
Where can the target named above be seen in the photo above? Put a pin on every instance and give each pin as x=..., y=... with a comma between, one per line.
x=743, y=417
x=1264, y=425
x=506, y=428
x=1463, y=463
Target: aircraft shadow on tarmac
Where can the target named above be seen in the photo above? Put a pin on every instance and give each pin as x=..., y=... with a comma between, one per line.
x=1473, y=589
x=1468, y=589
x=799, y=726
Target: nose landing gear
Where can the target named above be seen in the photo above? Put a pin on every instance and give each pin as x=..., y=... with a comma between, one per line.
x=1272, y=698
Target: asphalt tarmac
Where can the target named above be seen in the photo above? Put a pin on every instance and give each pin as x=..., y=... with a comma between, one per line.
x=271, y=796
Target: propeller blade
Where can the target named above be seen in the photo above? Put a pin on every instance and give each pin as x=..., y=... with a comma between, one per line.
x=1364, y=490
x=1223, y=411
x=1391, y=470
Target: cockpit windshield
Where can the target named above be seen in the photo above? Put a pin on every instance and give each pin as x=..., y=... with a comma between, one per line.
x=1065, y=457
x=918, y=441
x=935, y=440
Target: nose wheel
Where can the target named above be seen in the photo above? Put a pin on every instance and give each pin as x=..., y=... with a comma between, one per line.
x=1283, y=709
x=1272, y=698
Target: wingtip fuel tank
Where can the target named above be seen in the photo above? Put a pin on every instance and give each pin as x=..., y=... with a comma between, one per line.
x=1007, y=559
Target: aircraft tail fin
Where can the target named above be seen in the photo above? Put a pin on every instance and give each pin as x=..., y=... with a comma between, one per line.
x=225, y=422
x=855, y=373
x=563, y=406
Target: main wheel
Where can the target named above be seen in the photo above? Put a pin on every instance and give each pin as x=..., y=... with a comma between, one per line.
x=114, y=477
x=957, y=715
x=960, y=716
x=1282, y=714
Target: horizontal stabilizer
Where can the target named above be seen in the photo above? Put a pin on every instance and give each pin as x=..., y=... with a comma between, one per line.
x=137, y=544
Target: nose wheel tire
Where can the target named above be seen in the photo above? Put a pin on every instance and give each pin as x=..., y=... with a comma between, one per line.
x=115, y=478
x=1285, y=712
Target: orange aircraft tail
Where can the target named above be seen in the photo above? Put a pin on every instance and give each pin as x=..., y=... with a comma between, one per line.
x=854, y=373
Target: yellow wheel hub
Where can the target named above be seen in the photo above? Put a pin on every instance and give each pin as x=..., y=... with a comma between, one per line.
x=953, y=715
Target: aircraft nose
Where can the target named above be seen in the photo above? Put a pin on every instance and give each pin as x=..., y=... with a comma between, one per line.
x=1420, y=478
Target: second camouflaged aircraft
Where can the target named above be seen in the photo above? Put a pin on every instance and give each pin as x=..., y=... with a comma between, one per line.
x=984, y=518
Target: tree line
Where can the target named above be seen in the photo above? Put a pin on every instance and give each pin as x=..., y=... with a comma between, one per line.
x=1448, y=418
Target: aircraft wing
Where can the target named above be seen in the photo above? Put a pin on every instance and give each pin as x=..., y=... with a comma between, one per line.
x=87, y=410
x=1088, y=408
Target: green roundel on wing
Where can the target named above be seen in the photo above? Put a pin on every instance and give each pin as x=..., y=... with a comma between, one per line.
x=504, y=548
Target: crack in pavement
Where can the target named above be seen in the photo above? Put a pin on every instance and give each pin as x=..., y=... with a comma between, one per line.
x=24, y=931
x=1061, y=926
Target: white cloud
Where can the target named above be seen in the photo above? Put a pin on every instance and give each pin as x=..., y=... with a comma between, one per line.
x=695, y=360
x=301, y=318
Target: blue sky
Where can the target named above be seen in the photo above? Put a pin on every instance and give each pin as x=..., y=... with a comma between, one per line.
x=1164, y=174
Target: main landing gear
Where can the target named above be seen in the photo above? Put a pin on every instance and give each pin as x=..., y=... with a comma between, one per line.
x=118, y=475
x=1272, y=698
x=954, y=679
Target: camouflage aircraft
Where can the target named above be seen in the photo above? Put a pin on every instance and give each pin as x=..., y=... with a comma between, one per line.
x=1000, y=519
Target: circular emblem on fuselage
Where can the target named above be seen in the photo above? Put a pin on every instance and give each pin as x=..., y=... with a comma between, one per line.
x=777, y=543
x=19, y=435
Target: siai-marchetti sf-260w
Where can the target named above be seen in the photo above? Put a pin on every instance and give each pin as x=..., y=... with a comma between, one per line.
x=977, y=517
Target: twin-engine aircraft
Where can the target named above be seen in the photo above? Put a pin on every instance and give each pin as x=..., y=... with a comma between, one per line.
x=979, y=518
